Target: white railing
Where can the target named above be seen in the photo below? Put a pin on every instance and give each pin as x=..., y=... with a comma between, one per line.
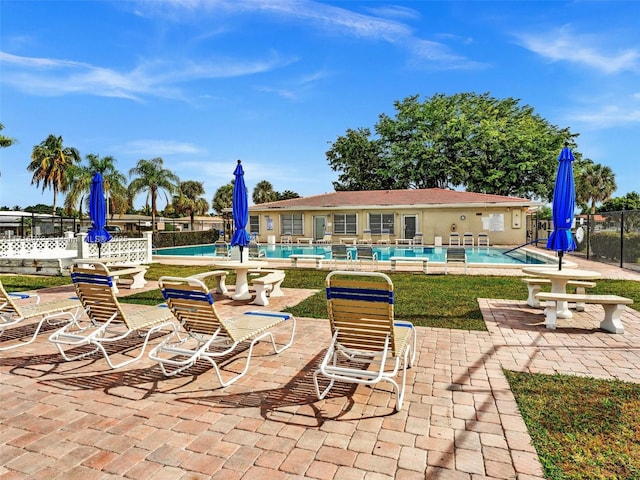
x=134, y=250
x=37, y=247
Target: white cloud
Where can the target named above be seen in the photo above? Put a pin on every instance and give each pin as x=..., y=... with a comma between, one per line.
x=158, y=148
x=607, y=116
x=322, y=16
x=565, y=45
x=51, y=77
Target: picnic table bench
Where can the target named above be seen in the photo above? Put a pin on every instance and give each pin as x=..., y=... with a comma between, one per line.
x=268, y=286
x=220, y=277
x=534, y=286
x=613, y=307
x=317, y=258
x=423, y=260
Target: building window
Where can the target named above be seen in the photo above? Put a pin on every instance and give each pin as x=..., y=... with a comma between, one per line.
x=345, y=224
x=254, y=224
x=291, y=224
x=381, y=221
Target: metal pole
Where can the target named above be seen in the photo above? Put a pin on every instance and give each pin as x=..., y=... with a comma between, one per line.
x=621, y=239
x=588, y=234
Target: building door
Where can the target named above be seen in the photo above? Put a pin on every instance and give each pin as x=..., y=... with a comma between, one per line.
x=319, y=227
x=409, y=226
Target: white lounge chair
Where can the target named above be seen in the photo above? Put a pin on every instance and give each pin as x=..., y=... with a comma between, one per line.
x=327, y=239
x=206, y=336
x=384, y=237
x=483, y=239
x=367, y=344
x=467, y=239
x=14, y=311
x=106, y=323
x=454, y=239
x=366, y=238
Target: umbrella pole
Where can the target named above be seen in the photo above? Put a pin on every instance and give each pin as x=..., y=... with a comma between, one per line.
x=241, y=248
x=99, y=250
x=560, y=254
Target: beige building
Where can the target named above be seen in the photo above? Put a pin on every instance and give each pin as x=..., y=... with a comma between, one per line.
x=435, y=213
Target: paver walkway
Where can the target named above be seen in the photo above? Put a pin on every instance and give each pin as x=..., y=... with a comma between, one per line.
x=68, y=420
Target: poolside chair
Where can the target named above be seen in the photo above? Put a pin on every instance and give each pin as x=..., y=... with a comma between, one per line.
x=367, y=345
x=454, y=239
x=456, y=256
x=365, y=253
x=285, y=239
x=206, y=336
x=327, y=239
x=366, y=238
x=483, y=239
x=255, y=251
x=340, y=252
x=418, y=239
x=384, y=237
x=13, y=312
x=106, y=323
x=222, y=249
x=467, y=239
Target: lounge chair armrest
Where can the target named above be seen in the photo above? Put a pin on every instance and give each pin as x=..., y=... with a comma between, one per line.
x=25, y=296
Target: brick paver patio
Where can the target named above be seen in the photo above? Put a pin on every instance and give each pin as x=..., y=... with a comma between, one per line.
x=81, y=420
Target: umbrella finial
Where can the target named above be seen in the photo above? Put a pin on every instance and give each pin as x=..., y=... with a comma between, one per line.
x=239, y=161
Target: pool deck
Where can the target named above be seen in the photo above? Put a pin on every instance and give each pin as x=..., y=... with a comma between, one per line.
x=81, y=420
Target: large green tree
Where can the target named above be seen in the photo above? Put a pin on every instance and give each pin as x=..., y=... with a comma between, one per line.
x=50, y=163
x=595, y=183
x=468, y=140
x=263, y=192
x=189, y=200
x=223, y=198
x=81, y=176
x=150, y=176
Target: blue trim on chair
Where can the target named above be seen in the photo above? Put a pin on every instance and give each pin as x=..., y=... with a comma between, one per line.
x=286, y=316
x=21, y=296
x=174, y=293
x=364, y=294
x=78, y=277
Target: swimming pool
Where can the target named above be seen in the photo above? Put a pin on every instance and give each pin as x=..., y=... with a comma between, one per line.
x=476, y=255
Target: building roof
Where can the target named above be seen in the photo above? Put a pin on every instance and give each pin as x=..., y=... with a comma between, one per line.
x=394, y=198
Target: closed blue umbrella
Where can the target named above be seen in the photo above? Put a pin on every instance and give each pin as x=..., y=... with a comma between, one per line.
x=97, y=213
x=564, y=200
x=240, y=210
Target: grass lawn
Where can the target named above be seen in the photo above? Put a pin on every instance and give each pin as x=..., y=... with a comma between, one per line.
x=582, y=428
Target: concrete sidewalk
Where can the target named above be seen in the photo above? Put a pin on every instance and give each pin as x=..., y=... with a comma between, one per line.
x=68, y=420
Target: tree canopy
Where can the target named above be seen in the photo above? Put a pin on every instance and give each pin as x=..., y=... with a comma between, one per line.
x=50, y=164
x=152, y=177
x=468, y=140
x=594, y=183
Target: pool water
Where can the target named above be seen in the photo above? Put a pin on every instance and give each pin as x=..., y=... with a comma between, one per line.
x=486, y=255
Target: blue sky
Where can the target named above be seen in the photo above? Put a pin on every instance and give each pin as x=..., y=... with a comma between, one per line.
x=202, y=83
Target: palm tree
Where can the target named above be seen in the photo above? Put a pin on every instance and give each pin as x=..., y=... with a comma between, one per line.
x=223, y=198
x=594, y=183
x=264, y=192
x=50, y=164
x=152, y=177
x=81, y=176
x=5, y=141
x=189, y=200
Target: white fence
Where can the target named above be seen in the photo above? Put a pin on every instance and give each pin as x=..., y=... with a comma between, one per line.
x=133, y=250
